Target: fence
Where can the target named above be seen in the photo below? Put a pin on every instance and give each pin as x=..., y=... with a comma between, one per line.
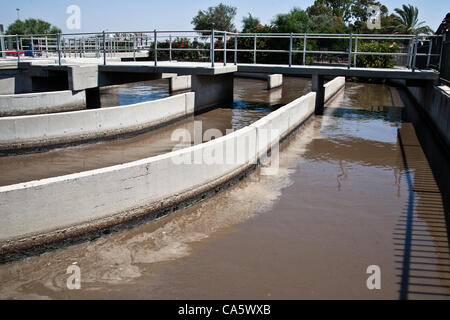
x=220, y=46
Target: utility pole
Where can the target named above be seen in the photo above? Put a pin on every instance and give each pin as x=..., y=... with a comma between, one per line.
x=2, y=42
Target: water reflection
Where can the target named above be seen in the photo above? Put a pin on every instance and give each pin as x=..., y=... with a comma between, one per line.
x=132, y=93
x=348, y=195
x=244, y=111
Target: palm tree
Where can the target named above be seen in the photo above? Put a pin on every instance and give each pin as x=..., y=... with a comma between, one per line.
x=407, y=21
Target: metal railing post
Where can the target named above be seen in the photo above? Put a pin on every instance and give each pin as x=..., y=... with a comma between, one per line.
x=104, y=48
x=18, y=49
x=97, y=46
x=170, y=48
x=356, y=52
x=212, y=48
x=444, y=38
x=84, y=47
x=429, y=53
x=254, y=51
x=290, y=50
x=2, y=45
x=64, y=47
x=46, y=46
x=225, y=49
x=350, y=51
x=156, y=47
x=236, y=49
x=416, y=44
x=134, y=48
x=58, y=47
x=410, y=49
x=304, y=50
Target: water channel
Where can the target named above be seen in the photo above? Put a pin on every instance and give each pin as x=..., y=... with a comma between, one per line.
x=355, y=189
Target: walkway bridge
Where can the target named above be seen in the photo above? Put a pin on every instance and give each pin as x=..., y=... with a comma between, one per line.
x=72, y=68
x=87, y=61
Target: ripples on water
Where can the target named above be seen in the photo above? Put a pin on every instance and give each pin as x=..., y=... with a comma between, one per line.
x=332, y=210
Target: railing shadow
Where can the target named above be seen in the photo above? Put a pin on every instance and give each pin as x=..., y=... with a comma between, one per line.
x=420, y=237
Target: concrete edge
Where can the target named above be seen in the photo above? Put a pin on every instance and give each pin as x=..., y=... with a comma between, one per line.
x=333, y=87
x=12, y=105
x=87, y=125
x=42, y=241
x=21, y=242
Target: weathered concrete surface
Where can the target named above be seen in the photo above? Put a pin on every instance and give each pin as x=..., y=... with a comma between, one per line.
x=83, y=76
x=211, y=91
x=340, y=71
x=41, y=103
x=180, y=68
x=273, y=80
x=7, y=84
x=40, y=212
x=180, y=83
x=46, y=130
x=47, y=205
x=333, y=87
x=275, y=126
x=436, y=103
x=15, y=81
x=325, y=92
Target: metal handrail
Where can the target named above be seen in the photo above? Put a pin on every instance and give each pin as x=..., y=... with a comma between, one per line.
x=109, y=43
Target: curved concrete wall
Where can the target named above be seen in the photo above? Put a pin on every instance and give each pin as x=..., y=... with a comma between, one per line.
x=52, y=129
x=60, y=207
x=44, y=206
x=283, y=120
x=333, y=87
x=41, y=103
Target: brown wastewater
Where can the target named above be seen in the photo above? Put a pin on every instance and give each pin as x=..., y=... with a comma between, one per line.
x=363, y=185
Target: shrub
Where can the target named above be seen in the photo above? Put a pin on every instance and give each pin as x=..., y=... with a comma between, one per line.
x=376, y=61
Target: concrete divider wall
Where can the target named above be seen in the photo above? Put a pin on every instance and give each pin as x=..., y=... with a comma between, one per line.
x=273, y=80
x=89, y=198
x=178, y=83
x=42, y=130
x=333, y=87
x=436, y=102
x=284, y=120
x=41, y=206
x=41, y=103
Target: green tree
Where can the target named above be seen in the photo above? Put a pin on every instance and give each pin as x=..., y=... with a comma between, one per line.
x=32, y=26
x=319, y=9
x=220, y=18
x=340, y=8
x=250, y=23
x=407, y=21
x=296, y=21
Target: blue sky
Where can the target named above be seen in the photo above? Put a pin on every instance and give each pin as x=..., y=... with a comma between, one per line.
x=134, y=15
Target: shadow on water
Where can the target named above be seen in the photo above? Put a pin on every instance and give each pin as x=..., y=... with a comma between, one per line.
x=422, y=231
x=420, y=236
